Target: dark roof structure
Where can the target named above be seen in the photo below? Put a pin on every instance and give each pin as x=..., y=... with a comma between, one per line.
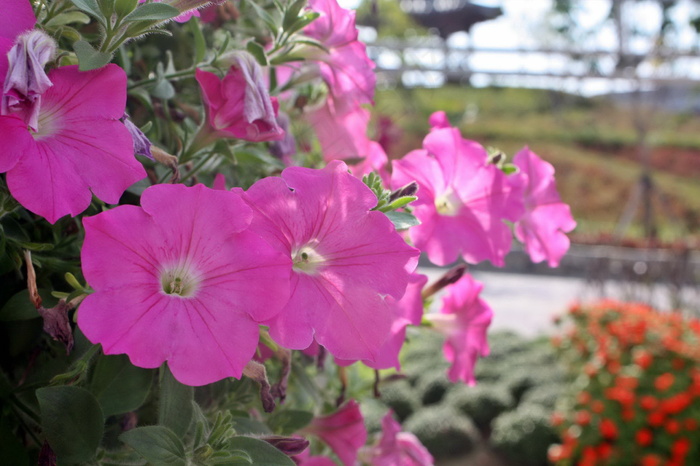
x=448, y=16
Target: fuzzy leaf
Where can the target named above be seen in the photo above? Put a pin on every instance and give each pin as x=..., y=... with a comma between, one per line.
x=72, y=422
x=402, y=220
x=157, y=444
x=88, y=57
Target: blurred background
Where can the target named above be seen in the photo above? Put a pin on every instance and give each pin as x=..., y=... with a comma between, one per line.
x=608, y=92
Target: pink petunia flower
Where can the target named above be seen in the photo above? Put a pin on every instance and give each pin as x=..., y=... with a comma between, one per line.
x=342, y=135
x=345, y=68
x=546, y=220
x=407, y=311
x=344, y=431
x=305, y=459
x=80, y=147
x=239, y=105
x=396, y=448
x=347, y=260
x=464, y=320
x=462, y=199
x=182, y=279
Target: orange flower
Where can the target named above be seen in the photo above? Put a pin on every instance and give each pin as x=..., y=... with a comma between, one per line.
x=597, y=406
x=664, y=382
x=608, y=429
x=644, y=437
x=651, y=460
x=672, y=426
x=643, y=359
x=582, y=418
x=680, y=447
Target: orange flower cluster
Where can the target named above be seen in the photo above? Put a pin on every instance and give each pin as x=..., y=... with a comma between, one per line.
x=638, y=387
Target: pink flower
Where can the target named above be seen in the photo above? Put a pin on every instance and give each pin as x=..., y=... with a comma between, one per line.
x=305, y=459
x=464, y=320
x=546, y=220
x=342, y=135
x=182, y=279
x=439, y=120
x=239, y=105
x=375, y=161
x=347, y=260
x=346, y=68
x=80, y=149
x=396, y=448
x=344, y=431
x=462, y=199
x=407, y=311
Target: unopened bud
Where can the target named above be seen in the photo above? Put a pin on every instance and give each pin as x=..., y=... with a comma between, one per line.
x=450, y=277
x=290, y=446
x=406, y=191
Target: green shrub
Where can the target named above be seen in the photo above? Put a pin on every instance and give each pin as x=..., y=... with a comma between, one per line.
x=524, y=435
x=400, y=397
x=432, y=386
x=443, y=431
x=545, y=395
x=482, y=403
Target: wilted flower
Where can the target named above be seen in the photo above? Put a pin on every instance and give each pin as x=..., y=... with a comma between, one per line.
x=462, y=199
x=79, y=148
x=546, y=220
x=464, y=320
x=347, y=260
x=26, y=79
x=190, y=289
x=239, y=105
x=142, y=145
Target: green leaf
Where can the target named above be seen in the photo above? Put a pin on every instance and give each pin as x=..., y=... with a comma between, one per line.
x=200, y=45
x=302, y=22
x=157, y=444
x=288, y=421
x=91, y=7
x=88, y=57
x=19, y=307
x=119, y=386
x=68, y=17
x=72, y=422
x=152, y=12
x=32, y=246
x=402, y=220
x=175, y=410
x=399, y=203
x=246, y=425
x=259, y=451
x=292, y=13
x=258, y=52
x=124, y=7
x=265, y=16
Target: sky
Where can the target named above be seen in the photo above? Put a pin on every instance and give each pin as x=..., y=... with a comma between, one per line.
x=524, y=24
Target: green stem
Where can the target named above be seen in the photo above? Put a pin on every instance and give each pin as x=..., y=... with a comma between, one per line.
x=188, y=73
x=203, y=161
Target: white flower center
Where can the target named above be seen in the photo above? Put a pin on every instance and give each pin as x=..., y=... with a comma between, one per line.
x=180, y=280
x=307, y=260
x=448, y=203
